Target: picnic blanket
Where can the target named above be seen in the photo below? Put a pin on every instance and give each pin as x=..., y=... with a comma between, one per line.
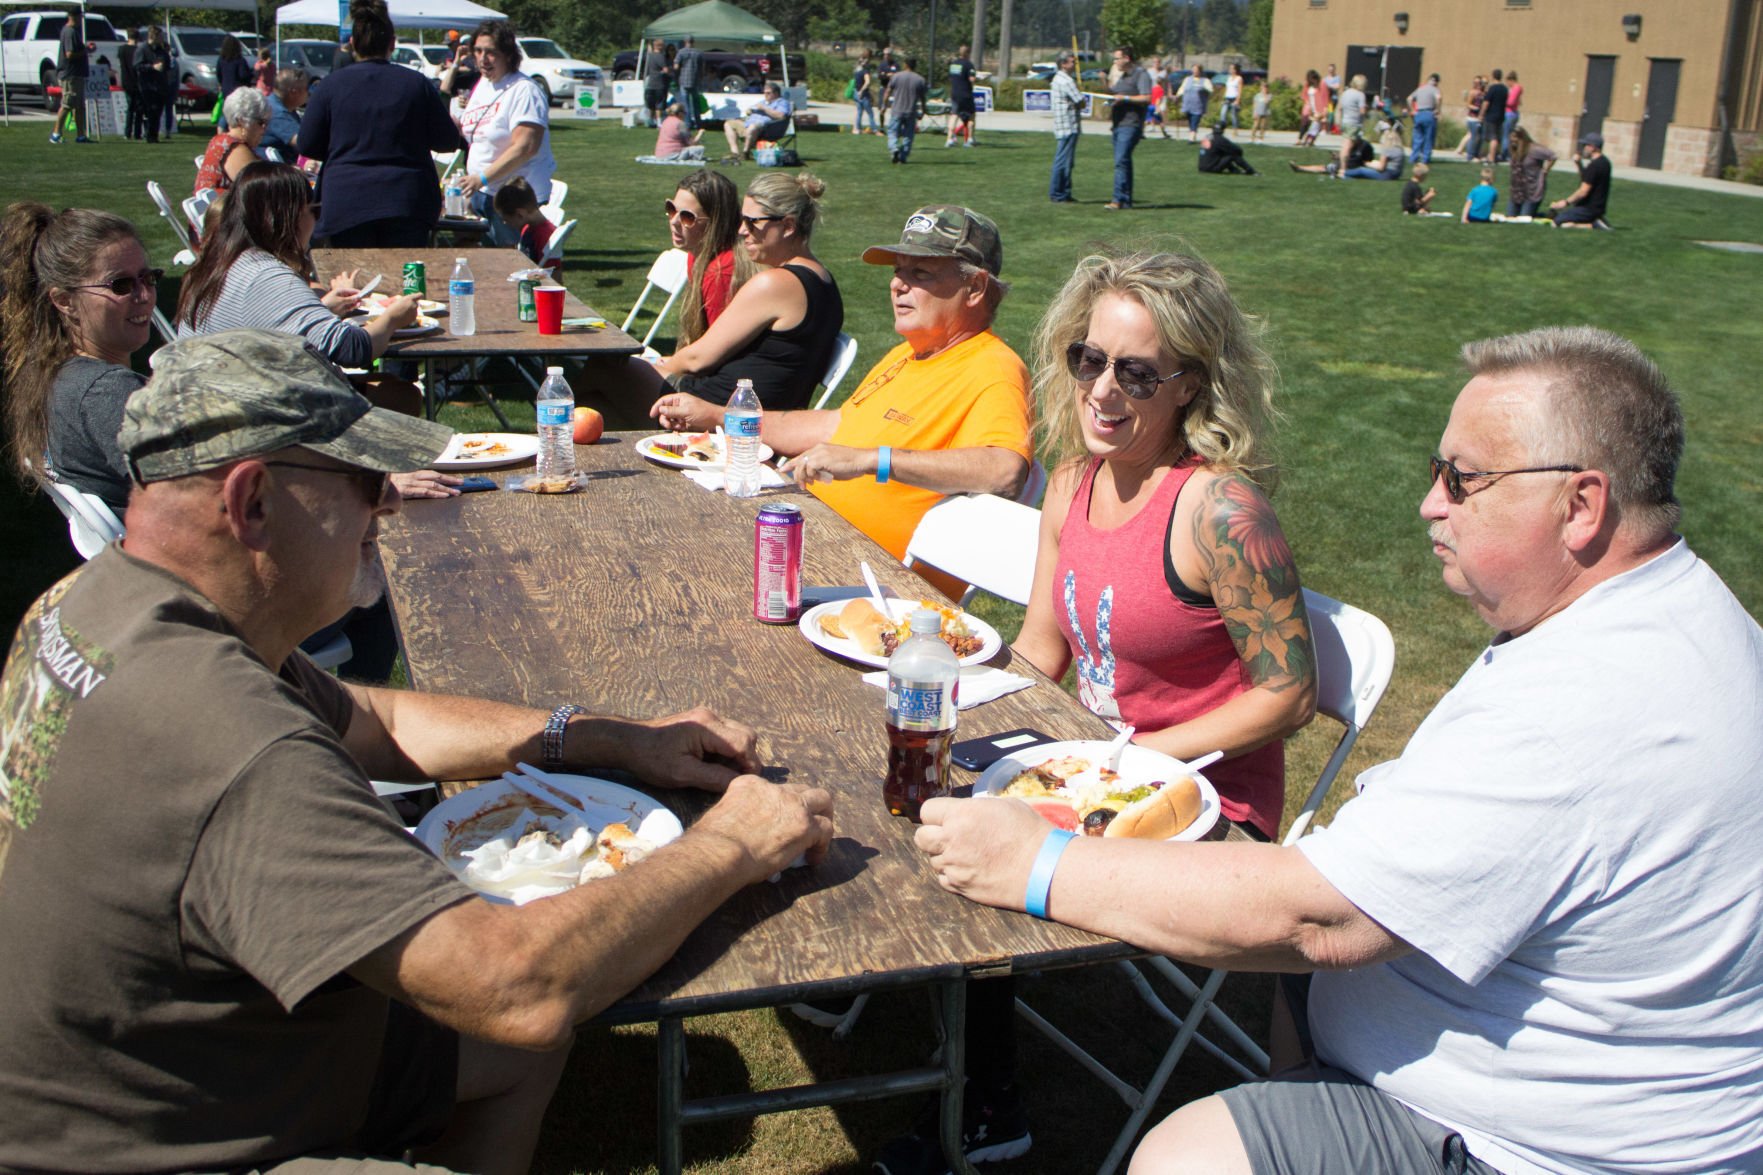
x=690, y=157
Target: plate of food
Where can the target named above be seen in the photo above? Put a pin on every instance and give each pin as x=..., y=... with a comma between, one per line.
x=857, y=631
x=690, y=450
x=424, y=325
x=514, y=848
x=1152, y=796
x=487, y=450
x=375, y=304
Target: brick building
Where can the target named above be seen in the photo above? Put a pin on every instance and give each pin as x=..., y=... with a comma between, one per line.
x=1671, y=84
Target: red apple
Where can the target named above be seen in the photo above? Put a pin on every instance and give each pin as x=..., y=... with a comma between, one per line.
x=589, y=424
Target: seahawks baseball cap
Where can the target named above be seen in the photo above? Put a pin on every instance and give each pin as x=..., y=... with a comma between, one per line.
x=945, y=230
x=220, y=398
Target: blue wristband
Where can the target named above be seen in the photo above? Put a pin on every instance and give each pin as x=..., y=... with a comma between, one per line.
x=1040, y=878
x=884, y=464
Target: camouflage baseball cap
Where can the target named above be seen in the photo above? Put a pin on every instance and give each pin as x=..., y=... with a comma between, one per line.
x=945, y=230
x=219, y=398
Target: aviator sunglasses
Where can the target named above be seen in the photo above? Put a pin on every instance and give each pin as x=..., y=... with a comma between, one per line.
x=687, y=218
x=1135, y=377
x=128, y=283
x=1454, y=477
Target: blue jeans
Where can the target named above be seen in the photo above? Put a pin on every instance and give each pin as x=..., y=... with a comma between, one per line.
x=1064, y=154
x=1473, y=150
x=689, y=99
x=1371, y=173
x=1506, y=129
x=501, y=233
x=901, y=131
x=1230, y=112
x=1426, y=129
x=1194, y=117
x=866, y=107
x=1125, y=139
x=1522, y=207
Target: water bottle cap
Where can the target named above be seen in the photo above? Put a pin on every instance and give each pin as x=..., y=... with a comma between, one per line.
x=926, y=621
x=459, y=261
x=553, y=371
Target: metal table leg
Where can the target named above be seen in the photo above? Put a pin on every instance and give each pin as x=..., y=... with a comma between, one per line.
x=670, y=1089
x=952, y=1017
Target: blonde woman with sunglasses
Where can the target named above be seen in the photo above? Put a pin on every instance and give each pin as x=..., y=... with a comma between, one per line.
x=1163, y=573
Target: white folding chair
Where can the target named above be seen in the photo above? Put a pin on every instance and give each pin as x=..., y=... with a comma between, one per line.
x=988, y=541
x=1355, y=656
x=178, y=225
x=554, y=247
x=91, y=524
x=844, y=354
x=446, y=161
x=559, y=193
x=667, y=274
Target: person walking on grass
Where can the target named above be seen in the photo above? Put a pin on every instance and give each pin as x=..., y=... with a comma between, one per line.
x=1233, y=98
x=1131, y=90
x=688, y=69
x=1262, y=103
x=1192, y=96
x=904, y=103
x=71, y=64
x=961, y=100
x=1068, y=106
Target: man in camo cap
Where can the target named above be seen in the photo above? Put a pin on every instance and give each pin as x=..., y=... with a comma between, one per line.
x=237, y=958
x=945, y=412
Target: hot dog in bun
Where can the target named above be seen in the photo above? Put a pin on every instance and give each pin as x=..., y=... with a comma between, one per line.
x=1162, y=814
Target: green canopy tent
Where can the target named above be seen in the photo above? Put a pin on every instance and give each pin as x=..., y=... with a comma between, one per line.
x=710, y=21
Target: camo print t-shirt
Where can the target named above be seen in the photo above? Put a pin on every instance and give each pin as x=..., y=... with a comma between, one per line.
x=189, y=863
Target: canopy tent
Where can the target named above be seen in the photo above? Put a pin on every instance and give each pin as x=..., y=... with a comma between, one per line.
x=406, y=14
x=714, y=20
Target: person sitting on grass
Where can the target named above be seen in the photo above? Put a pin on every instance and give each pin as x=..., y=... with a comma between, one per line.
x=1359, y=153
x=675, y=141
x=1391, y=158
x=1416, y=202
x=1220, y=156
x=1478, y=206
x=742, y=135
x=519, y=209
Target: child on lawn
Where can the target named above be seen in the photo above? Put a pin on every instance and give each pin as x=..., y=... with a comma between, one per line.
x=1479, y=206
x=519, y=208
x=1258, y=129
x=1415, y=200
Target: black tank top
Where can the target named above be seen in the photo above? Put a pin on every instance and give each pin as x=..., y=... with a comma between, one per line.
x=784, y=365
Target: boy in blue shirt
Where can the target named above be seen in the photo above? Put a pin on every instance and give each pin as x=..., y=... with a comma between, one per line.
x=1480, y=204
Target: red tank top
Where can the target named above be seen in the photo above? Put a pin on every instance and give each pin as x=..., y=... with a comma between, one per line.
x=1146, y=658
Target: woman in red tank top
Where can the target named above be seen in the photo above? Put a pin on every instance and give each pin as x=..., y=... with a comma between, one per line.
x=1163, y=573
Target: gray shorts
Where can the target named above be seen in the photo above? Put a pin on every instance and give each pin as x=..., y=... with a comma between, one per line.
x=1317, y=1120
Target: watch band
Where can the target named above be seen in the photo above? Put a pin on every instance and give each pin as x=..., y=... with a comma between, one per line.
x=551, y=741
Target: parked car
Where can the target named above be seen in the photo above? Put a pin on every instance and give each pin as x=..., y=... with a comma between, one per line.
x=196, y=54
x=316, y=57
x=558, y=74
x=732, y=73
x=413, y=56
x=32, y=42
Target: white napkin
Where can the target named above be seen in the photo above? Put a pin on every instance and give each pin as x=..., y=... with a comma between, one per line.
x=712, y=479
x=979, y=684
x=536, y=273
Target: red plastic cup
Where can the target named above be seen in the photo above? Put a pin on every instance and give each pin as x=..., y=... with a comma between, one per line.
x=548, y=301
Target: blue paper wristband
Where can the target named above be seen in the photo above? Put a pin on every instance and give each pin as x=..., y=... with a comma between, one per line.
x=884, y=464
x=1040, y=878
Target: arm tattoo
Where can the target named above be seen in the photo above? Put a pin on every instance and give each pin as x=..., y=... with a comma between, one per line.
x=1254, y=583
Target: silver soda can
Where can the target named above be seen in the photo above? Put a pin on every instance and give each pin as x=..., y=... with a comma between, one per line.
x=777, y=564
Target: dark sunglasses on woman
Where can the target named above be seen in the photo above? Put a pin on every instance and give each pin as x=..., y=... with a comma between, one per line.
x=1134, y=377
x=127, y=284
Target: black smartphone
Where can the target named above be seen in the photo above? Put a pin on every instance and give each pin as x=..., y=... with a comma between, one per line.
x=471, y=485
x=976, y=754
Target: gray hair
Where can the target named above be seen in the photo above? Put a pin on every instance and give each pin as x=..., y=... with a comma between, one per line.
x=245, y=105
x=996, y=287
x=1604, y=405
x=288, y=78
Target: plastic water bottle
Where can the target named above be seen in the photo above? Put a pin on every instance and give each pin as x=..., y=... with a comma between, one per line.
x=455, y=201
x=461, y=316
x=556, y=412
x=740, y=427
x=923, y=679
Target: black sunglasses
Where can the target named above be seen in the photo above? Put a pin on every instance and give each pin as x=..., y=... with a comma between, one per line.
x=1135, y=377
x=686, y=217
x=370, y=482
x=1454, y=477
x=753, y=222
x=126, y=285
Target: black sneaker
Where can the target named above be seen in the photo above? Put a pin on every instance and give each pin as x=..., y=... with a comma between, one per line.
x=994, y=1128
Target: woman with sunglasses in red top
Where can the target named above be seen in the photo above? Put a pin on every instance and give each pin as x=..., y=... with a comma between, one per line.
x=77, y=304
x=704, y=219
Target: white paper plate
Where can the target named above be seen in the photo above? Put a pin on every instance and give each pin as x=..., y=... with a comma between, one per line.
x=424, y=325
x=990, y=640
x=1138, y=765
x=646, y=448
x=473, y=817
x=510, y=448
x=375, y=305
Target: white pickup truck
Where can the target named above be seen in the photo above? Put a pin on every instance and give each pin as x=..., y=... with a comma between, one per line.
x=31, y=42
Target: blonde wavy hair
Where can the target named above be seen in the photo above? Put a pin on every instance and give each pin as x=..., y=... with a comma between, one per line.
x=1228, y=422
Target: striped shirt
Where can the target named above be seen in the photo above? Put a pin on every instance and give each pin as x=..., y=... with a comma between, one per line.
x=1067, y=104
x=262, y=293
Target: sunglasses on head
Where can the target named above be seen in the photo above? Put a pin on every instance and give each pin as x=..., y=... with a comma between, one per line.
x=1134, y=377
x=1454, y=477
x=687, y=218
x=127, y=284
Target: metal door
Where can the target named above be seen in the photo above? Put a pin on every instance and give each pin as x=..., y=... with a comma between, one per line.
x=1401, y=73
x=1661, y=109
x=1600, y=77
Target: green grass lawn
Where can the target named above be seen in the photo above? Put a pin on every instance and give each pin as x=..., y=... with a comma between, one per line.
x=1364, y=310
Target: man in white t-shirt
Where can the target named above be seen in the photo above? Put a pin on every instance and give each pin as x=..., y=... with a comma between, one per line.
x=1536, y=931
x=506, y=119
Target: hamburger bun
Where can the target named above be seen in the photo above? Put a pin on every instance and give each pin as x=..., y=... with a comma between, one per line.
x=859, y=622
x=1163, y=814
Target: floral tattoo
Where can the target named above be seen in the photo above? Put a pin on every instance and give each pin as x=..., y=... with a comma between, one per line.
x=1255, y=583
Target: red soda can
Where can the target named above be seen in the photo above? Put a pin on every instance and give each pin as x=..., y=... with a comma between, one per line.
x=777, y=564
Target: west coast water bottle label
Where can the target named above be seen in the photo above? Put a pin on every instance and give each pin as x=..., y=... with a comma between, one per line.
x=739, y=425
x=460, y=289
x=920, y=705
x=553, y=412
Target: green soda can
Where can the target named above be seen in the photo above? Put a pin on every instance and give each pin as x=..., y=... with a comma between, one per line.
x=416, y=279
x=529, y=311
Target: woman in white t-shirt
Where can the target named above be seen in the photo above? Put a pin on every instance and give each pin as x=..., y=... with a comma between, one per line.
x=506, y=118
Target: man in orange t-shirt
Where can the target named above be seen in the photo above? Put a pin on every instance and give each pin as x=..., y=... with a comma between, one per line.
x=945, y=412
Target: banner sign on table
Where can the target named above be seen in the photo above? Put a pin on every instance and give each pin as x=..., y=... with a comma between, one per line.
x=982, y=99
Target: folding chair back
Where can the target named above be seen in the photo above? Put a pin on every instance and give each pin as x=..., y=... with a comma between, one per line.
x=844, y=354
x=667, y=274
x=178, y=224
x=447, y=163
x=988, y=541
x=1355, y=656
x=554, y=247
x=91, y=524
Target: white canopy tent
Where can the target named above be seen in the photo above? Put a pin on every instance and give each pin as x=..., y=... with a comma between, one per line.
x=406, y=14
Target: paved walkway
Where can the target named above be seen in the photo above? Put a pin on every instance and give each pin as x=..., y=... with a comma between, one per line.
x=843, y=114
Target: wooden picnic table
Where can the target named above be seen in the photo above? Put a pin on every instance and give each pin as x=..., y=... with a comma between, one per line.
x=633, y=596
